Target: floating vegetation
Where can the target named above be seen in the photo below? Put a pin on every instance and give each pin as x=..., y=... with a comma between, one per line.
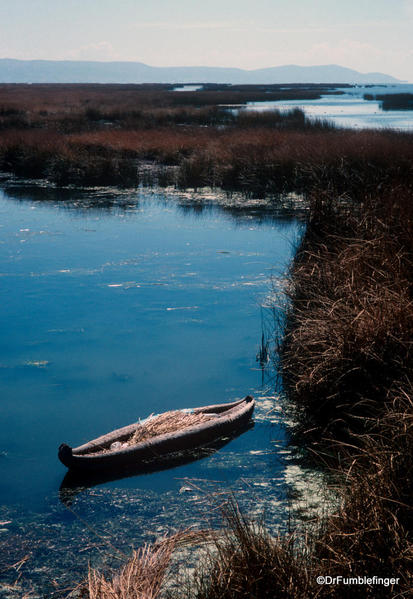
x=37, y=363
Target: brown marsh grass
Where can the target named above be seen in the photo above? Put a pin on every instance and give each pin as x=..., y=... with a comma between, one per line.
x=91, y=134
x=232, y=158
x=351, y=321
x=143, y=576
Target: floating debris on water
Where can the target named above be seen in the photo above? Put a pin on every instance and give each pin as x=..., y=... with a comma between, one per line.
x=182, y=308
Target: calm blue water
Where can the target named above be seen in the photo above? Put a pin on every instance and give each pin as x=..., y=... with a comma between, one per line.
x=117, y=305
x=350, y=109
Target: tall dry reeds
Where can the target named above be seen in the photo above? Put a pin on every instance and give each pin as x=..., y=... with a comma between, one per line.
x=92, y=135
x=246, y=562
x=348, y=368
x=351, y=319
x=143, y=576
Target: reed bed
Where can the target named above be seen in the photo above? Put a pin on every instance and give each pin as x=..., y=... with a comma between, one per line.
x=140, y=578
x=402, y=101
x=351, y=321
x=99, y=135
x=246, y=562
x=251, y=159
x=56, y=98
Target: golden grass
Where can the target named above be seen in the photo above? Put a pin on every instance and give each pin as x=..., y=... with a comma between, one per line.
x=140, y=578
x=144, y=574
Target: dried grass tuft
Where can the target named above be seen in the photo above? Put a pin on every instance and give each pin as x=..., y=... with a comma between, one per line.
x=144, y=574
x=246, y=562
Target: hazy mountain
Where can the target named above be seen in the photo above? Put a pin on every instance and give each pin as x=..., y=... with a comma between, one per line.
x=71, y=71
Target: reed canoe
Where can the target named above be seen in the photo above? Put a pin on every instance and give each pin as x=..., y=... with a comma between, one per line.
x=97, y=455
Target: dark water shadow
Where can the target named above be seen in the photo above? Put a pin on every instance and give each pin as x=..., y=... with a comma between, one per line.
x=74, y=483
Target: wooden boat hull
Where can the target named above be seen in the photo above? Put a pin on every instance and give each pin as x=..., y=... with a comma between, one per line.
x=228, y=418
x=76, y=481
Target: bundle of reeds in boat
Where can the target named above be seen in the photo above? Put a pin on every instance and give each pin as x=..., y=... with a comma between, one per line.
x=169, y=422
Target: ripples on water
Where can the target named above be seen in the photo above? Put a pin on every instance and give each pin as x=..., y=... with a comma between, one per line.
x=117, y=305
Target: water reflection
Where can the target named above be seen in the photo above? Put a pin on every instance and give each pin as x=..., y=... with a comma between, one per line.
x=278, y=208
x=79, y=200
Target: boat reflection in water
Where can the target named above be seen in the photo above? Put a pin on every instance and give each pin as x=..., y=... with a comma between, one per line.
x=74, y=482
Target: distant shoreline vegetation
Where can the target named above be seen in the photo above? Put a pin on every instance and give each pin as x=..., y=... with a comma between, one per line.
x=392, y=101
x=148, y=134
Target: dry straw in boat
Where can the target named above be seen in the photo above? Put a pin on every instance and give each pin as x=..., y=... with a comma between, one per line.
x=169, y=422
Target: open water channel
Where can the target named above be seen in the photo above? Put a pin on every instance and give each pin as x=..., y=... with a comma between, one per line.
x=115, y=305
x=350, y=109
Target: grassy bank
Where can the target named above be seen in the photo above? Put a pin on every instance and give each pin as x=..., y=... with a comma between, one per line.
x=348, y=367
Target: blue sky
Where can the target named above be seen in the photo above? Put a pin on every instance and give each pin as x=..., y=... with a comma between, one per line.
x=365, y=35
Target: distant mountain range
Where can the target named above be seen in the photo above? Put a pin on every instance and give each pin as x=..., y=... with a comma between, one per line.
x=71, y=71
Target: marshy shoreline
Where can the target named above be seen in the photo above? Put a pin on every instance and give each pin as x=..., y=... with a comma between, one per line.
x=346, y=357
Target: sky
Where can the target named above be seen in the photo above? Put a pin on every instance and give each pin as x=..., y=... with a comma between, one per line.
x=365, y=35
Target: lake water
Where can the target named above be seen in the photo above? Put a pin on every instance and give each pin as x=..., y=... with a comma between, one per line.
x=350, y=109
x=187, y=88
x=116, y=305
